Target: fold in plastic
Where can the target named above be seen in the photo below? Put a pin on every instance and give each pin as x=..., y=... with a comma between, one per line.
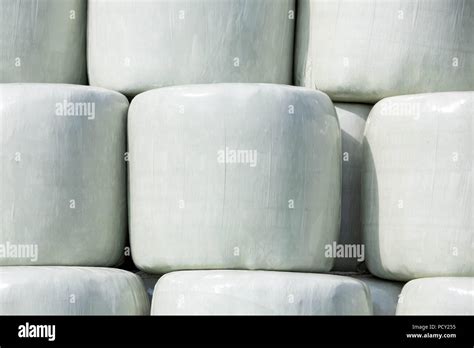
x=384, y=294
x=352, y=119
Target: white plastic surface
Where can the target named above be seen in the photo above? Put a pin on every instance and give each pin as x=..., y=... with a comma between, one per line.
x=365, y=50
x=43, y=41
x=241, y=176
x=437, y=296
x=352, y=119
x=417, y=186
x=71, y=291
x=259, y=293
x=63, y=194
x=137, y=45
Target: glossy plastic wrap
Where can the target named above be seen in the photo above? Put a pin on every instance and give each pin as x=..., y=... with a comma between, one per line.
x=234, y=176
x=71, y=291
x=365, y=50
x=437, y=296
x=63, y=194
x=417, y=186
x=259, y=293
x=43, y=41
x=352, y=119
x=137, y=45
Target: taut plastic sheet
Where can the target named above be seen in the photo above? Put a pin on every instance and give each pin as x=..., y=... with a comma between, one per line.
x=43, y=41
x=137, y=45
x=63, y=197
x=259, y=293
x=234, y=176
x=365, y=50
x=417, y=193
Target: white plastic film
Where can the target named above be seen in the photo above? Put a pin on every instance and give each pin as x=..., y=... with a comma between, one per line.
x=233, y=176
x=41, y=290
x=43, y=41
x=417, y=186
x=137, y=45
x=365, y=50
x=259, y=293
x=437, y=296
x=63, y=194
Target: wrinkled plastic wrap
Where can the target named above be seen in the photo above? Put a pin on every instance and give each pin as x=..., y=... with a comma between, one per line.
x=365, y=50
x=384, y=294
x=259, y=293
x=233, y=176
x=43, y=41
x=71, y=291
x=417, y=186
x=137, y=45
x=149, y=280
x=437, y=296
x=63, y=194
x=352, y=119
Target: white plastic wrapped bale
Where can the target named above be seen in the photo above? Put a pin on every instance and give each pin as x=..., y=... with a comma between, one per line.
x=71, y=291
x=243, y=176
x=364, y=50
x=384, y=294
x=352, y=118
x=259, y=293
x=63, y=194
x=437, y=296
x=417, y=186
x=43, y=41
x=138, y=45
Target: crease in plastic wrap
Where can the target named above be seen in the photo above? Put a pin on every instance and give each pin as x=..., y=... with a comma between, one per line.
x=149, y=281
x=352, y=118
x=438, y=296
x=384, y=294
x=259, y=293
x=43, y=41
x=417, y=193
x=241, y=176
x=63, y=194
x=71, y=291
x=138, y=45
x=366, y=50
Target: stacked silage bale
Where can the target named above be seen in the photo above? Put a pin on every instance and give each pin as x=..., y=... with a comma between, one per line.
x=234, y=179
x=417, y=206
x=62, y=180
x=239, y=175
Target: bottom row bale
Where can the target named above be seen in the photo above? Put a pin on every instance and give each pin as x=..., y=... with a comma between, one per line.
x=41, y=290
